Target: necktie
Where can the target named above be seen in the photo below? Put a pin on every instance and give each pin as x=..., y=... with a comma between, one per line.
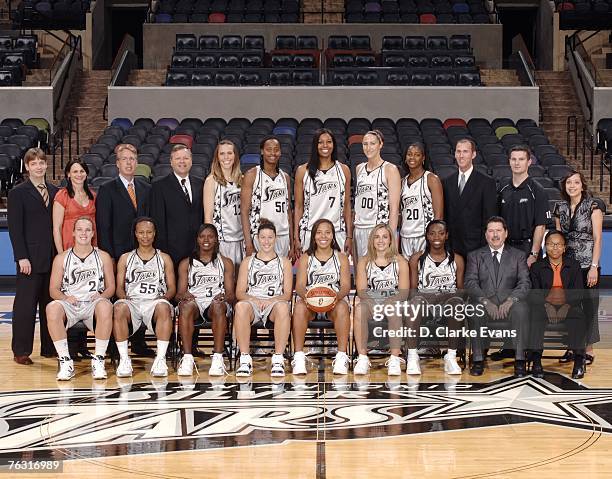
x=132, y=194
x=461, y=183
x=496, y=263
x=42, y=189
x=183, y=181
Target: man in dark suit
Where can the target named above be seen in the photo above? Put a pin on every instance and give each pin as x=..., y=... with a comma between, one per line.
x=470, y=199
x=31, y=232
x=176, y=207
x=118, y=203
x=497, y=278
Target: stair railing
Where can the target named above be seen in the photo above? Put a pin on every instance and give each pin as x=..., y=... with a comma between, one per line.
x=571, y=131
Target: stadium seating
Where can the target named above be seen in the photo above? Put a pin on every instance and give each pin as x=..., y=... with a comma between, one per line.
x=50, y=15
x=419, y=11
x=584, y=14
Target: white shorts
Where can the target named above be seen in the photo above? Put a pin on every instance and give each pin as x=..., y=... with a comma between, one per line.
x=82, y=311
x=141, y=312
x=305, y=239
x=360, y=242
x=281, y=246
x=233, y=250
x=412, y=245
x=259, y=315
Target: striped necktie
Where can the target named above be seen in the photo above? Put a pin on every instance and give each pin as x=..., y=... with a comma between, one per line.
x=42, y=189
x=132, y=194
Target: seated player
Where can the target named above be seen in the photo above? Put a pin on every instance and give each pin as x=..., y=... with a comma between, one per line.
x=322, y=264
x=264, y=290
x=556, y=293
x=82, y=283
x=145, y=286
x=206, y=286
x=382, y=278
x=436, y=274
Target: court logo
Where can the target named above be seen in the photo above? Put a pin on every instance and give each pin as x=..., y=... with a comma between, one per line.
x=153, y=418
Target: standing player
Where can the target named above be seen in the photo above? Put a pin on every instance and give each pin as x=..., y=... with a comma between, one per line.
x=382, y=277
x=377, y=193
x=145, y=286
x=263, y=292
x=206, y=285
x=421, y=201
x=322, y=263
x=82, y=283
x=222, y=200
x=323, y=190
x=265, y=194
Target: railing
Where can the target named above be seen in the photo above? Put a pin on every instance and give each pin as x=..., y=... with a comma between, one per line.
x=67, y=46
x=589, y=148
x=570, y=47
x=125, y=61
x=64, y=137
x=577, y=44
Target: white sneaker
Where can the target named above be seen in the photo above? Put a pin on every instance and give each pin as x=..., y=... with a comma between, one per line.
x=412, y=364
x=159, y=369
x=186, y=366
x=362, y=365
x=124, y=370
x=97, y=367
x=299, y=363
x=450, y=365
x=217, y=365
x=66, y=369
x=245, y=367
x=278, y=366
x=394, y=366
x=341, y=363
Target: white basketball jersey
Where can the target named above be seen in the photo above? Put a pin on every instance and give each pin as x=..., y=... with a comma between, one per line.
x=382, y=278
x=324, y=198
x=265, y=278
x=416, y=207
x=440, y=278
x=324, y=272
x=83, y=277
x=371, y=197
x=270, y=200
x=226, y=213
x=145, y=279
x=205, y=280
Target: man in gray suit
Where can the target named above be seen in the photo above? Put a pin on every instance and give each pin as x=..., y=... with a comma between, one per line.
x=497, y=278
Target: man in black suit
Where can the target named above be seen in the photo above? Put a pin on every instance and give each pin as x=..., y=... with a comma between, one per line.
x=497, y=278
x=470, y=199
x=31, y=232
x=118, y=204
x=176, y=207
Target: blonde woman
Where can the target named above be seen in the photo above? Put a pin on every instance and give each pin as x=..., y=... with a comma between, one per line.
x=382, y=277
x=222, y=200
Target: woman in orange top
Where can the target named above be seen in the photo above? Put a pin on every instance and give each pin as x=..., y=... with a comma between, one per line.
x=72, y=203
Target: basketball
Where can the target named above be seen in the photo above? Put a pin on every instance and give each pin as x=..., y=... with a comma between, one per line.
x=320, y=298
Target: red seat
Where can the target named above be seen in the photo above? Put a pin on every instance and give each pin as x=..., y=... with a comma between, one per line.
x=216, y=17
x=566, y=6
x=454, y=122
x=182, y=139
x=355, y=139
x=428, y=18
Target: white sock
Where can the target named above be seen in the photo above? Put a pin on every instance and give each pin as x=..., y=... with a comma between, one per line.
x=246, y=357
x=122, y=347
x=61, y=347
x=188, y=356
x=412, y=353
x=451, y=353
x=162, y=347
x=218, y=355
x=101, y=345
x=363, y=356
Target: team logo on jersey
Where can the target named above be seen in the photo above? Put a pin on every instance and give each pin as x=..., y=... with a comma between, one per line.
x=324, y=187
x=83, y=275
x=202, y=279
x=140, y=276
x=437, y=281
x=155, y=418
x=264, y=278
x=384, y=284
x=322, y=278
x=364, y=189
x=410, y=201
x=231, y=198
x=271, y=193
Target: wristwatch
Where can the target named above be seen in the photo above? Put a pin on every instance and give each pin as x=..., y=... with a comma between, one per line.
x=535, y=254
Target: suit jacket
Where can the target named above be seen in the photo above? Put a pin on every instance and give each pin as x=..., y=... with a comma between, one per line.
x=177, y=221
x=467, y=214
x=30, y=225
x=115, y=215
x=541, y=275
x=512, y=280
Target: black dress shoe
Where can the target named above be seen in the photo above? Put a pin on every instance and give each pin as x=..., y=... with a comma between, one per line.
x=502, y=354
x=579, y=367
x=477, y=368
x=537, y=371
x=589, y=358
x=567, y=357
x=519, y=369
x=23, y=359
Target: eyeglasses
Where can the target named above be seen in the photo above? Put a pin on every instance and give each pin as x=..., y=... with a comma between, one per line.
x=555, y=245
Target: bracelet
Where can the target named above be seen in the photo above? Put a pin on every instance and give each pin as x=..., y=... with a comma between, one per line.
x=593, y=265
x=349, y=237
x=534, y=254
